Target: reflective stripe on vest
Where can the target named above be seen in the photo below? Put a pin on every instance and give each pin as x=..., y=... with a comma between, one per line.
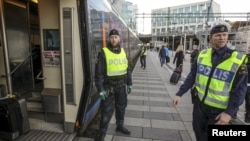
x=222, y=78
x=117, y=64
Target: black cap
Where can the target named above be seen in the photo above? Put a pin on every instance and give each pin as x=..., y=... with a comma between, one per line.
x=218, y=28
x=113, y=32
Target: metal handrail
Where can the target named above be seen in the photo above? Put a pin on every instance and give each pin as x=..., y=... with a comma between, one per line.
x=19, y=64
x=40, y=78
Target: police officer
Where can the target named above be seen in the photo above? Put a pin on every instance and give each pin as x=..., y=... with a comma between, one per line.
x=113, y=82
x=247, y=97
x=220, y=78
x=143, y=56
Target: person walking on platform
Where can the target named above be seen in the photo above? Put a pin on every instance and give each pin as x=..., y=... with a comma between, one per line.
x=143, y=56
x=167, y=54
x=220, y=79
x=162, y=55
x=194, y=53
x=113, y=82
x=179, y=56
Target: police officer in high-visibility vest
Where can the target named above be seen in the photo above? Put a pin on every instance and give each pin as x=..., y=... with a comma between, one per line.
x=220, y=78
x=113, y=81
x=143, y=56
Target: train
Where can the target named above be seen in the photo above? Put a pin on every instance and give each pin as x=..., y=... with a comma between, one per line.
x=48, y=50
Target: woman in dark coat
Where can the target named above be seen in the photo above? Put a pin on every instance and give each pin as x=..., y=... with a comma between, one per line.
x=179, y=56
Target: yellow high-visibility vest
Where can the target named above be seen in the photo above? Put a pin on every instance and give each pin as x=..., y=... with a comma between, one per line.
x=144, y=48
x=117, y=64
x=220, y=83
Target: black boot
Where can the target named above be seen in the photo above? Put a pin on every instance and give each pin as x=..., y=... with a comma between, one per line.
x=123, y=130
x=100, y=137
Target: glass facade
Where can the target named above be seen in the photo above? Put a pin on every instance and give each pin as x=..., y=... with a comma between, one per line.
x=184, y=18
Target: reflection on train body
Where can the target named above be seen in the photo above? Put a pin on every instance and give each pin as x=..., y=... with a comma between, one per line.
x=48, y=53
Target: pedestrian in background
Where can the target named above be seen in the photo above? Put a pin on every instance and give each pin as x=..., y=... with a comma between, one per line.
x=162, y=55
x=194, y=53
x=179, y=56
x=218, y=96
x=143, y=56
x=167, y=54
x=113, y=82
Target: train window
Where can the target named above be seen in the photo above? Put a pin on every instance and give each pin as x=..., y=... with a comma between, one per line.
x=51, y=39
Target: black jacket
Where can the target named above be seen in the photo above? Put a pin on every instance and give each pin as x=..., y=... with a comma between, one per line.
x=193, y=55
x=162, y=52
x=179, y=56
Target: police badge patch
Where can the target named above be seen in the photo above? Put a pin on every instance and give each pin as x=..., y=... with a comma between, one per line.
x=243, y=69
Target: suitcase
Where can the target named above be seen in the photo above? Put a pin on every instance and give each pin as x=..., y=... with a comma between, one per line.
x=176, y=75
x=13, y=118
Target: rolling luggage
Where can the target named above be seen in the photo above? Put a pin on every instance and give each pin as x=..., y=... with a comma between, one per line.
x=176, y=75
x=13, y=118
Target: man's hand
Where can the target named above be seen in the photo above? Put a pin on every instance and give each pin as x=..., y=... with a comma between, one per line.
x=103, y=95
x=223, y=119
x=129, y=89
x=176, y=101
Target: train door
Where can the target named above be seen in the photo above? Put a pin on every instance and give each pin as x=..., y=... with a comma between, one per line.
x=17, y=50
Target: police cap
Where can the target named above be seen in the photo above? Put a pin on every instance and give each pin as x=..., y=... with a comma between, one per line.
x=218, y=28
x=113, y=32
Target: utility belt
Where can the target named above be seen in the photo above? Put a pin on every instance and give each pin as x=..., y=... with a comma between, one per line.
x=113, y=83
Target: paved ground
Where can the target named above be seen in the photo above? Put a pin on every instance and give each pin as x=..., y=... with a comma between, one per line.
x=150, y=114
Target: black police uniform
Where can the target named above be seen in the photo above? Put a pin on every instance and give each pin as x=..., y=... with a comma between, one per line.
x=115, y=87
x=143, y=57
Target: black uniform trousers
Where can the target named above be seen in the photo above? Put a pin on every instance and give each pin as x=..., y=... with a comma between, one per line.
x=117, y=96
x=203, y=116
x=143, y=61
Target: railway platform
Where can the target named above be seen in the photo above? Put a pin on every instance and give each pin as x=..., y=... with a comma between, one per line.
x=150, y=115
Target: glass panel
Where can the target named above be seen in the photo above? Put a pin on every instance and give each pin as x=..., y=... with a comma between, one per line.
x=17, y=32
x=22, y=79
x=18, y=47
